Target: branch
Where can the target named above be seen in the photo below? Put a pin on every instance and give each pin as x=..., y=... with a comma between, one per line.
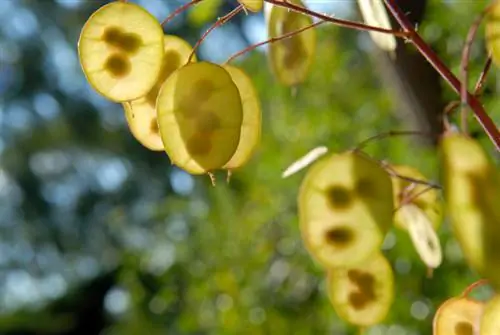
x=488, y=125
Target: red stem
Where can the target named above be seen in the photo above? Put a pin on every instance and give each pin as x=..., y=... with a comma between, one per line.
x=488, y=125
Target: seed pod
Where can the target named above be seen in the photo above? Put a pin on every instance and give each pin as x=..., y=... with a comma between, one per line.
x=420, y=195
x=362, y=294
x=490, y=320
x=345, y=208
x=458, y=316
x=291, y=58
x=141, y=113
x=252, y=118
x=375, y=14
x=121, y=51
x=492, y=30
x=200, y=115
x=252, y=5
x=472, y=191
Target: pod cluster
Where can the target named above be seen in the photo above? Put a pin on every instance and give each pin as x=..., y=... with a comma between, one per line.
x=205, y=116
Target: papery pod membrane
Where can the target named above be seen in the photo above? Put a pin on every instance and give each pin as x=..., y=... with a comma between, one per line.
x=490, y=320
x=121, y=51
x=471, y=188
x=141, y=113
x=291, y=58
x=492, y=30
x=200, y=115
x=458, y=316
x=252, y=5
x=425, y=198
x=375, y=14
x=362, y=294
x=345, y=207
x=252, y=118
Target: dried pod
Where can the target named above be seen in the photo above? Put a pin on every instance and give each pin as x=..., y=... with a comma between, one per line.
x=362, y=294
x=121, y=51
x=200, y=115
x=345, y=207
x=252, y=5
x=375, y=14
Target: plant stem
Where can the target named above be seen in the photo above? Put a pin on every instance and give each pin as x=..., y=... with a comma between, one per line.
x=488, y=125
x=338, y=22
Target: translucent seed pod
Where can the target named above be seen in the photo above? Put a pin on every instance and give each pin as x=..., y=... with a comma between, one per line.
x=492, y=31
x=458, y=316
x=291, y=58
x=490, y=320
x=252, y=5
x=121, y=51
x=252, y=118
x=141, y=113
x=200, y=115
x=375, y=14
x=362, y=294
x=471, y=188
x=406, y=192
x=345, y=208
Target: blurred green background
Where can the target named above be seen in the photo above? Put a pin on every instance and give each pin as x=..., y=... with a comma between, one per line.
x=100, y=236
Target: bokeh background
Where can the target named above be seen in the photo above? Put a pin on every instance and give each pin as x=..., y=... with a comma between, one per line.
x=100, y=236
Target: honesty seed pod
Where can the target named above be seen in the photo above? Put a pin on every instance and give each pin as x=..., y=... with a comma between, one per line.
x=458, y=316
x=407, y=192
x=492, y=30
x=252, y=118
x=375, y=14
x=141, y=113
x=290, y=58
x=362, y=294
x=121, y=51
x=472, y=191
x=252, y=5
x=200, y=115
x=490, y=320
x=345, y=208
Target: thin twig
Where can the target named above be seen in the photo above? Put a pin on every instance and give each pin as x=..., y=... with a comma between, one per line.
x=486, y=122
x=482, y=77
x=339, y=22
x=220, y=21
x=380, y=136
x=272, y=40
x=178, y=11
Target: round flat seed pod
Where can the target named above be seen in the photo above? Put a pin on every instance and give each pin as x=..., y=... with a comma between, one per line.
x=490, y=320
x=375, y=14
x=427, y=199
x=458, y=316
x=252, y=118
x=345, y=208
x=492, y=30
x=291, y=58
x=121, y=51
x=471, y=188
x=200, y=115
x=252, y=5
x=141, y=113
x=362, y=294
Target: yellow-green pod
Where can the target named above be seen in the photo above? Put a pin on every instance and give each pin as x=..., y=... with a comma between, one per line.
x=492, y=30
x=141, y=113
x=345, y=208
x=490, y=320
x=121, y=51
x=362, y=294
x=252, y=118
x=375, y=14
x=425, y=198
x=458, y=316
x=200, y=115
x=471, y=188
x=252, y=5
x=291, y=58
